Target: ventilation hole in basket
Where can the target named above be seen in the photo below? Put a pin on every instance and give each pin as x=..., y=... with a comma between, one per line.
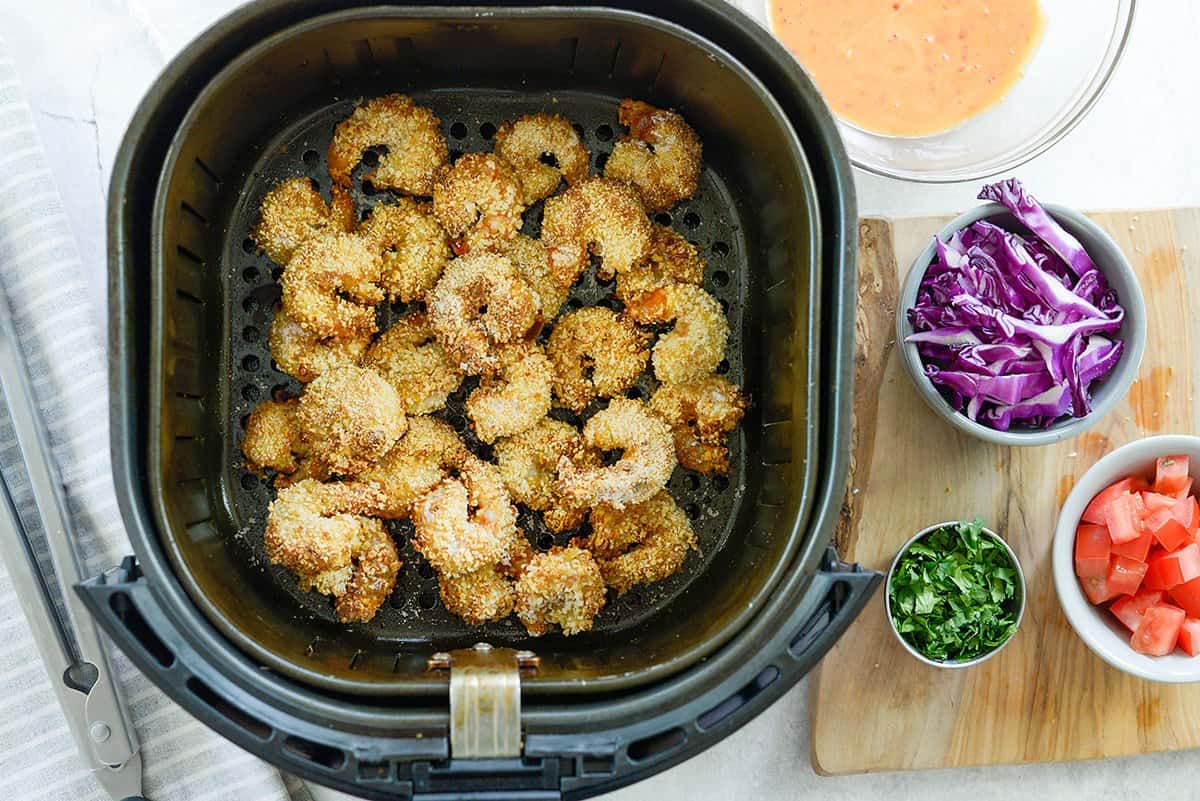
x=609, y=458
x=485, y=451
x=248, y=245
x=250, y=333
x=459, y=130
x=611, y=303
x=279, y=391
x=691, y=220
x=487, y=130
x=633, y=393
x=720, y=249
x=723, y=367
x=662, y=218
x=249, y=304
x=310, y=158
x=724, y=305
x=604, y=133
x=578, y=129
x=250, y=393
x=249, y=481
x=369, y=190
x=455, y=155
x=545, y=542
x=371, y=158
x=601, y=160
x=327, y=756
x=276, y=273
x=720, y=483
x=692, y=511
x=549, y=159
x=427, y=599
x=251, y=363
x=692, y=481
x=250, y=275
x=425, y=570
x=720, y=278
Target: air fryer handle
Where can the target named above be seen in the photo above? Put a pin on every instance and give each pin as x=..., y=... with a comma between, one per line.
x=841, y=591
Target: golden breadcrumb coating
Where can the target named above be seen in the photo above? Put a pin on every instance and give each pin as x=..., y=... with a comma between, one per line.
x=671, y=259
x=374, y=567
x=294, y=211
x=478, y=202
x=646, y=463
x=640, y=544
x=303, y=355
x=660, y=158
x=409, y=358
x=515, y=399
x=413, y=248
x=416, y=149
x=478, y=597
x=562, y=587
x=331, y=285
x=524, y=142
x=696, y=345
x=481, y=302
x=520, y=553
x=465, y=523
x=422, y=458
x=533, y=264
x=350, y=418
x=599, y=216
x=528, y=463
x=701, y=414
x=272, y=438
x=595, y=353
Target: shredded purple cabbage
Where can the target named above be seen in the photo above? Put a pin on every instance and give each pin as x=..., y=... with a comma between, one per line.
x=1013, y=330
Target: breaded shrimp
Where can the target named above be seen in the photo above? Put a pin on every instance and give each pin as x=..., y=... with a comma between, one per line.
x=525, y=142
x=528, y=463
x=520, y=553
x=422, y=458
x=533, y=263
x=350, y=417
x=325, y=268
x=272, y=438
x=595, y=353
x=560, y=587
x=660, y=158
x=645, y=465
x=293, y=211
x=516, y=398
x=465, y=523
x=477, y=597
x=416, y=149
x=375, y=565
x=416, y=365
x=413, y=247
x=640, y=544
x=671, y=259
x=481, y=302
x=478, y=202
x=696, y=345
x=701, y=414
x=596, y=215
x=303, y=355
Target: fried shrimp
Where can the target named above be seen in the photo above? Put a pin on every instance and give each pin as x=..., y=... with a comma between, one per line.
x=320, y=533
x=701, y=414
x=478, y=202
x=595, y=353
x=526, y=143
x=660, y=158
x=293, y=211
x=416, y=365
x=696, y=345
x=466, y=523
x=528, y=464
x=323, y=270
x=413, y=247
x=303, y=355
x=518, y=557
x=640, y=544
x=671, y=259
x=416, y=149
x=515, y=399
x=533, y=263
x=422, y=458
x=644, y=467
x=350, y=418
x=272, y=438
x=560, y=587
x=481, y=302
x=597, y=215
x=477, y=597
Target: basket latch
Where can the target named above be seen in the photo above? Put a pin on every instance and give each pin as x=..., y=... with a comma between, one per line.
x=485, y=699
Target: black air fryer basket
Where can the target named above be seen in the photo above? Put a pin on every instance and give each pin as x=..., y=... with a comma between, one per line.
x=669, y=669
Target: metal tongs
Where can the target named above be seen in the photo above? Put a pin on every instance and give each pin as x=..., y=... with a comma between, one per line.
x=70, y=647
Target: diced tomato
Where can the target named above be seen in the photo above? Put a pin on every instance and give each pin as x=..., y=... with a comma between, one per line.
x=1125, y=575
x=1189, y=636
x=1156, y=500
x=1170, y=532
x=1137, y=549
x=1096, y=590
x=1096, y=511
x=1129, y=608
x=1158, y=630
x=1187, y=595
x=1170, y=474
x=1169, y=570
x=1187, y=512
x=1092, y=548
x=1183, y=493
x=1121, y=518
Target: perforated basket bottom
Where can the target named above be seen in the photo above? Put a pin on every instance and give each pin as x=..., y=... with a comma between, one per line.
x=469, y=119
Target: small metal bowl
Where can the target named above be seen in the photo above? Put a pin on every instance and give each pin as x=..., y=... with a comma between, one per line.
x=1019, y=599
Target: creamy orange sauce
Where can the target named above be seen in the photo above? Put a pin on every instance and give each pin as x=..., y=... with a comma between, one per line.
x=910, y=67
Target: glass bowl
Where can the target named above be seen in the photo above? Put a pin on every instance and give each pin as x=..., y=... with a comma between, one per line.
x=1081, y=45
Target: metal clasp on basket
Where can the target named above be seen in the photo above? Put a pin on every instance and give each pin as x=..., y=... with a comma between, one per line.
x=485, y=699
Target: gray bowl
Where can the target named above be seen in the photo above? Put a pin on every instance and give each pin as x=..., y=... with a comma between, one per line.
x=1020, y=598
x=1106, y=393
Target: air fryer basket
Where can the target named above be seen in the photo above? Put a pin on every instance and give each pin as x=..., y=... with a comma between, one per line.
x=254, y=99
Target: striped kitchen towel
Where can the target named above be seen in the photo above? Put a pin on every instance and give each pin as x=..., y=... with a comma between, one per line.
x=40, y=271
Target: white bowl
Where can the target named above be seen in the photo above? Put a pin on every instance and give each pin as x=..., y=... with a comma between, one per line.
x=1095, y=625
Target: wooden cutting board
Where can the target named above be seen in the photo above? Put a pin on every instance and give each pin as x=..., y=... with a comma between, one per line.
x=1046, y=697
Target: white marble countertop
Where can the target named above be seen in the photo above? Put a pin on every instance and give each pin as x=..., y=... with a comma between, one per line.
x=86, y=63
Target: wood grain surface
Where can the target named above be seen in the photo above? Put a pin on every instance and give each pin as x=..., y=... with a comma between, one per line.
x=1046, y=697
